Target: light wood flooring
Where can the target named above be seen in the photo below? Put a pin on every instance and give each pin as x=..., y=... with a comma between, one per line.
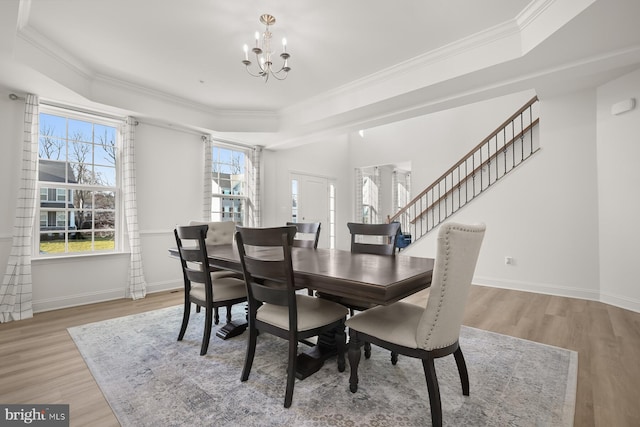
x=39, y=363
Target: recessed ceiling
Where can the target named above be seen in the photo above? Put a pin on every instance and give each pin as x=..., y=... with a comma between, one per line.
x=192, y=49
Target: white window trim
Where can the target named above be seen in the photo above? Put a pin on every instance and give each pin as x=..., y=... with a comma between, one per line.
x=119, y=233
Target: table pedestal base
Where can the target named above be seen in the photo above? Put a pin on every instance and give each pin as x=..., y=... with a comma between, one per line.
x=310, y=361
x=231, y=329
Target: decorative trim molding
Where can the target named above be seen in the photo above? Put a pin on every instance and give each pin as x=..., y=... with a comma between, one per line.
x=562, y=291
x=57, y=303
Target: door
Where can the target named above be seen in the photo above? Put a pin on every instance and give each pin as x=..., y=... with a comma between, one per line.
x=310, y=196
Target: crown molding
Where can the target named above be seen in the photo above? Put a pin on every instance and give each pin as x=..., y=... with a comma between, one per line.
x=470, y=43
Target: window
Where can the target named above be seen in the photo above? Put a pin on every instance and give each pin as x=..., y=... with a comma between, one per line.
x=369, y=199
x=229, y=185
x=78, y=183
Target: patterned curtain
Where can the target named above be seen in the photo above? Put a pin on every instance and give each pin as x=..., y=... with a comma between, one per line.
x=394, y=191
x=137, y=283
x=254, y=218
x=357, y=217
x=375, y=196
x=206, y=200
x=17, y=285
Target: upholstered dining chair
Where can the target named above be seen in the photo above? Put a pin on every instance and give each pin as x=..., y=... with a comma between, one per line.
x=431, y=331
x=219, y=233
x=203, y=287
x=274, y=305
x=377, y=239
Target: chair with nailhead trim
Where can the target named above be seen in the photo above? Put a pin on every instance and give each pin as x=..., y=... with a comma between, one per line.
x=431, y=331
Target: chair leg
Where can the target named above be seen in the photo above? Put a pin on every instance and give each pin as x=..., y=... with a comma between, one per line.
x=185, y=319
x=341, y=343
x=291, y=369
x=229, y=314
x=367, y=350
x=197, y=308
x=207, y=331
x=251, y=351
x=434, y=391
x=216, y=316
x=354, y=359
x=394, y=357
x=462, y=370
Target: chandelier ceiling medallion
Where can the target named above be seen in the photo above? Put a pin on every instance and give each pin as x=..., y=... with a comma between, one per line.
x=263, y=53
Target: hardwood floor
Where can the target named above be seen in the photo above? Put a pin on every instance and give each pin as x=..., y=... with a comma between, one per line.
x=39, y=363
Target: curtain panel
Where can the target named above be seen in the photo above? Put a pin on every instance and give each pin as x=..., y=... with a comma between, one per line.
x=137, y=283
x=254, y=216
x=16, y=289
x=208, y=164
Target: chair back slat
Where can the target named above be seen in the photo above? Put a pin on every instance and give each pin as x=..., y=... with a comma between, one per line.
x=308, y=234
x=194, y=258
x=378, y=239
x=265, y=255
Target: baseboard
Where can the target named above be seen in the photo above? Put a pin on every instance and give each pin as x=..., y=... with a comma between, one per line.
x=622, y=302
x=101, y=296
x=562, y=291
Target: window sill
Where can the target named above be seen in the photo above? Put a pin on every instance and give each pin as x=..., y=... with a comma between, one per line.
x=76, y=257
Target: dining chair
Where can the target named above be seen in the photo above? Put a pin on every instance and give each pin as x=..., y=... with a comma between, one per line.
x=219, y=233
x=274, y=305
x=307, y=236
x=203, y=287
x=377, y=239
x=431, y=331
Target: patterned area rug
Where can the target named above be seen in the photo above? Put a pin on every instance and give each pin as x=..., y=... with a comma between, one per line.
x=150, y=379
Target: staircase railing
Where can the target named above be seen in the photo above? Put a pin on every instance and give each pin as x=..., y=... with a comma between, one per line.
x=498, y=154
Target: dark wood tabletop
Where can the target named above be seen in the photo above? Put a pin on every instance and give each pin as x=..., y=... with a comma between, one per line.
x=374, y=278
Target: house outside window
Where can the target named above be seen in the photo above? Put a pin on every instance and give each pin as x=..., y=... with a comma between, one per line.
x=229, y=185
x=77, y=182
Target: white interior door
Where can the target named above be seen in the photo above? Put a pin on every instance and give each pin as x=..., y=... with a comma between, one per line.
x=313, y=203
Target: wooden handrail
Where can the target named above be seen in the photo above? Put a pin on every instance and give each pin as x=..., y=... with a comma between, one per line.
x=473, y=172
x=464, y=158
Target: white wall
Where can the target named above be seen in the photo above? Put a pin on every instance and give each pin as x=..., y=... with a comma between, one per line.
x=618, y=145
x=544, y=214
x=327, y=158
x=551, y=215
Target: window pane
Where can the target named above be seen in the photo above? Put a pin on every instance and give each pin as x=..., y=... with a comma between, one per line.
x=105, y=175
x=52, y=148
x=105, y=220
x=82, y=199
x=105, y=200
x=80, y=130
x=52, y=243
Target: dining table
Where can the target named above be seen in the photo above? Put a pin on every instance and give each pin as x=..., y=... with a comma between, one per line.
x=376, y=279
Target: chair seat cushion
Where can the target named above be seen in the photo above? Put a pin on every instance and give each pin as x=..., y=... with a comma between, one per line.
x=224, y=288
x=312, y=313
x=396, y=323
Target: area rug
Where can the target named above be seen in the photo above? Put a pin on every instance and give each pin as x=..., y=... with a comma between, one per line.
x=150, y=379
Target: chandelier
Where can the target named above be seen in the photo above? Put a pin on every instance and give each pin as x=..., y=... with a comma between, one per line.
x=263, y=53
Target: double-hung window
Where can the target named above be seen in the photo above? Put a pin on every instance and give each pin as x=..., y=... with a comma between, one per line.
x=229, y=185
x=77, y=183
